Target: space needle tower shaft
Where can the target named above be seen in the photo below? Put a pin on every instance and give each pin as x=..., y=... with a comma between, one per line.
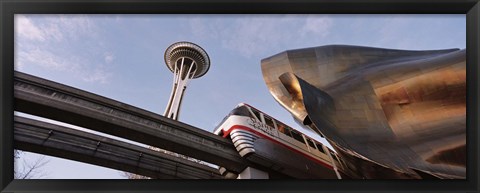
x=187, y=61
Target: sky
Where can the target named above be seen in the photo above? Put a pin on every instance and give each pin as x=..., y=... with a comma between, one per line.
x=121, y=57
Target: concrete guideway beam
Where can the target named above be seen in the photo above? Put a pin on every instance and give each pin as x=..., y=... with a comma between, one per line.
x=44, y=98
x=54, y=140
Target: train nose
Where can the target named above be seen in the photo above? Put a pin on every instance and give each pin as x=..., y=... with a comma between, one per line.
x=243, y=141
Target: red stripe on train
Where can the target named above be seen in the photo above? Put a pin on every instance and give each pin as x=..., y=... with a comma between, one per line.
x=277, y=142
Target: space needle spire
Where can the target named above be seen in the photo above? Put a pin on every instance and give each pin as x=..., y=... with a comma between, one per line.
x=187, y=61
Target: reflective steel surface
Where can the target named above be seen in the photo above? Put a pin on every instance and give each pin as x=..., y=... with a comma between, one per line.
x=388, y=113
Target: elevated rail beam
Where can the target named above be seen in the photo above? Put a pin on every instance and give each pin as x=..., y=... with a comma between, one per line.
x=44, y=98
x=54, y=140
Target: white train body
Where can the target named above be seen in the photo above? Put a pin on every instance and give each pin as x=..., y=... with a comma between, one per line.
x=273, y=144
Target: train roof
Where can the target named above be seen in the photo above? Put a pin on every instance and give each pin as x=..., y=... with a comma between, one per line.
x=245, y=104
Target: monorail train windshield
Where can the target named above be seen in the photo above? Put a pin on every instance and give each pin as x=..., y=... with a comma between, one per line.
x=240, y=110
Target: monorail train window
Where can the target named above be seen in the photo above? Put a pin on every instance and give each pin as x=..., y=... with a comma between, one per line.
x=268, y=121
x=257, y=114
x=287, y=131
x=297, y=136
x=281, y=128
x=242, y=111
x=310, y=143
x=320, y=147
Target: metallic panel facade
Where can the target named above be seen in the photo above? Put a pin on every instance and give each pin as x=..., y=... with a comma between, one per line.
x=388, y=113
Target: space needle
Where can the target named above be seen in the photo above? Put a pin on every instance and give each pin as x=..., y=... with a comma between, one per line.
x=187, y=61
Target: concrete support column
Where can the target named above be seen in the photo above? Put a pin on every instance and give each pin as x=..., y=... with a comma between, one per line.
x=252, y=173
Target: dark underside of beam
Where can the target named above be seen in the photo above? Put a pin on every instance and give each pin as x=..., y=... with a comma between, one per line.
x=59, y=102
x=49, y=139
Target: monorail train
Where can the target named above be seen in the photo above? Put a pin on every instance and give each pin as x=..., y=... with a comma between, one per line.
x=272, y=144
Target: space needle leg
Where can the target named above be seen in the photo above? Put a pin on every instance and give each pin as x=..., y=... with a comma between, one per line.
x=181, y=77
x=174, y=88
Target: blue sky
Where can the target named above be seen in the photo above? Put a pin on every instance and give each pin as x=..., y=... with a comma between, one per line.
x=121, y=57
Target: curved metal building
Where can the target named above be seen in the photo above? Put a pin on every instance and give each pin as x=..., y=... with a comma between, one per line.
x=388, y=113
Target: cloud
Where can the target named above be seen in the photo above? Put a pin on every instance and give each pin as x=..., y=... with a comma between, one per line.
x=75, y=26
x=109, y=57
x=54, y=28
x=256, y=35
x=413, y=33
x=63, y=43
x=26, y=29
x=99, y=75
x=42, y=58
x=393, y=30
x=247, y=35
x=75, y=65
x=318, y=25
